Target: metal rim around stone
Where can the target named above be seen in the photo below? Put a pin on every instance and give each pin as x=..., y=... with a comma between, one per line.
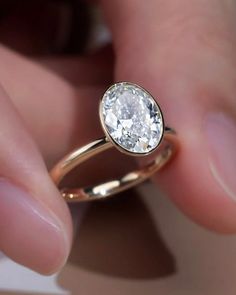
x=111, y=139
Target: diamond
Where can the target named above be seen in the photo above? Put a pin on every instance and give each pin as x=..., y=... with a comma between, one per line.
x=131, y=118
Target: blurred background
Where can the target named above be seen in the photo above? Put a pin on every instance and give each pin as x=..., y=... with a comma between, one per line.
x=46, y=27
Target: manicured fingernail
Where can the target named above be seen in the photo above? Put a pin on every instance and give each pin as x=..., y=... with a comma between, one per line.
x=29, y=232
x=221, y=139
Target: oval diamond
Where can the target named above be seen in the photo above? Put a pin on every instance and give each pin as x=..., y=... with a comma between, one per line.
x=131, y=118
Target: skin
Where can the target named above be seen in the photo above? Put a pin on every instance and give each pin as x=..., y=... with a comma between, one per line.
x=183, y=52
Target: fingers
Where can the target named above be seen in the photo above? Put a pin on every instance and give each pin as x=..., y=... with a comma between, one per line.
x=54, y=111
x=183, y=53
x=35, y=227
x=92, y=69
x=55, y=114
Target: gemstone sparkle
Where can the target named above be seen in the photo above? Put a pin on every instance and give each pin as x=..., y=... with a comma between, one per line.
x=132, y=118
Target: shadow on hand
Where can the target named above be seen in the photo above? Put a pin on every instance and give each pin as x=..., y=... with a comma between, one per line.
x=118, y=238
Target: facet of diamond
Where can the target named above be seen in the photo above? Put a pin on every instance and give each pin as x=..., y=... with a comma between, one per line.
x=131, y=118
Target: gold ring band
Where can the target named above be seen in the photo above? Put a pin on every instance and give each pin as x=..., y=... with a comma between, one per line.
x=115, y=186
x=167, y=146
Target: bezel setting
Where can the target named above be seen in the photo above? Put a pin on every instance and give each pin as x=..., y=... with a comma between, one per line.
x=122, y=108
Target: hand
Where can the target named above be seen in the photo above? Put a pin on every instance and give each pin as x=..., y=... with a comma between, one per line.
x=42, y=117
x=183, y=53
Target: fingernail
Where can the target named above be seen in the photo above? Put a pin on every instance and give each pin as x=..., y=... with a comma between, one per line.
x=30, y=234
x=221, y=138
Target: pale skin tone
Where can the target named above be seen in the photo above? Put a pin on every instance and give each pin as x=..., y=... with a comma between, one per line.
x=183, y=52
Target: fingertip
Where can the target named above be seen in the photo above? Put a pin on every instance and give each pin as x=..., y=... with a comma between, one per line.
x=31, y=234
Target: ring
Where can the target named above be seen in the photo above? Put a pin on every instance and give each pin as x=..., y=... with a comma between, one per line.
x=133, y=123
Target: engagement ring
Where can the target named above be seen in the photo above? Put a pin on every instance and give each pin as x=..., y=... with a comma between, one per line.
x=133, y=123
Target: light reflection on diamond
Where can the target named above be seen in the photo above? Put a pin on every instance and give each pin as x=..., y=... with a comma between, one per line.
x=132, y=118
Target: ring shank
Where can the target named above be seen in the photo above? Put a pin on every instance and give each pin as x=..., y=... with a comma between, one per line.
x=168, y=148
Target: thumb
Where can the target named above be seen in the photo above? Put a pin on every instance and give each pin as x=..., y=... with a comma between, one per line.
x=180, y=52
x=35, y=227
